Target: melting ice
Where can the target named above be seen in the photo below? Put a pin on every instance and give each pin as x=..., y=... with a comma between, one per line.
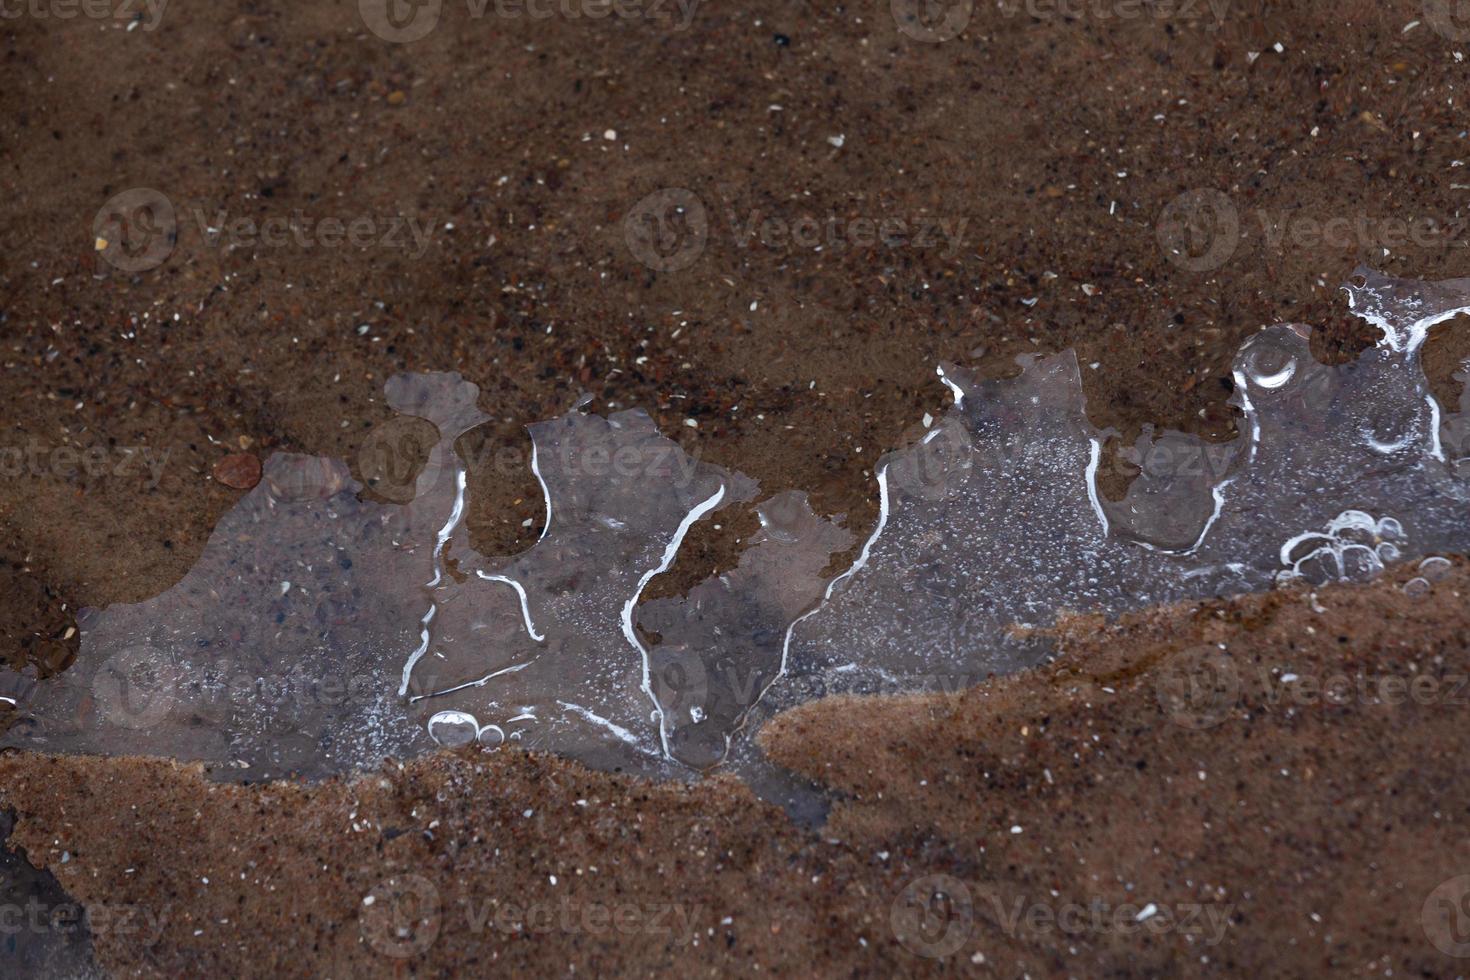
x=322, y=630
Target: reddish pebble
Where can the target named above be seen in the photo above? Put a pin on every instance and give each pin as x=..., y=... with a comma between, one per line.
x=238, y=470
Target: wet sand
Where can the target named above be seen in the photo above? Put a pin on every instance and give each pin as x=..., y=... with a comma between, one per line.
x=1296, y=820
x=1059, y=143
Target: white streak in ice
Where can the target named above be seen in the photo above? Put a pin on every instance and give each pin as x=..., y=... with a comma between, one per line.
x=442, y=537
x=1436, y=445
x=525, y=606
x=545, y=490
x=1092, y=464
x=618, y=730
x=959, y=394
x=700, y=509
x=439, y=541
x=479, y=683
x=862, y=558
x=417, y=655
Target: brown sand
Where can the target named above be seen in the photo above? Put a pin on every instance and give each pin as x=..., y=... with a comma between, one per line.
x=1043, y=133
x=1022, y=128
x=1311, y=829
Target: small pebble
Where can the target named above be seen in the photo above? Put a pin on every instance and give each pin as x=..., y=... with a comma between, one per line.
x=240, y=471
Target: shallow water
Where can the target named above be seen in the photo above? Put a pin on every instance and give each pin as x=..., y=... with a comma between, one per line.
x=322, y=629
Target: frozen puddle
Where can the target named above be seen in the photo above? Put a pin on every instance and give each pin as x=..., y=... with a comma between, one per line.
x=322, y=631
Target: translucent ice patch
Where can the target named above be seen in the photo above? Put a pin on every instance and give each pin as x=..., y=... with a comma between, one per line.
x=1336, y=472
x=275, y=652
x=723, y=645
x=545, y=645
x=1455, y=428
x=321, y=630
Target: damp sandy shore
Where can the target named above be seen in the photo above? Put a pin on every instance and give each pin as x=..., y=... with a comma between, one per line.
x=1035, y=818
x=1081, y=820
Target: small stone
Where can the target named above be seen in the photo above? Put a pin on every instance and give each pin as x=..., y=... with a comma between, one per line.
x=296, y=478
x=397, y=98
x=241, y=471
